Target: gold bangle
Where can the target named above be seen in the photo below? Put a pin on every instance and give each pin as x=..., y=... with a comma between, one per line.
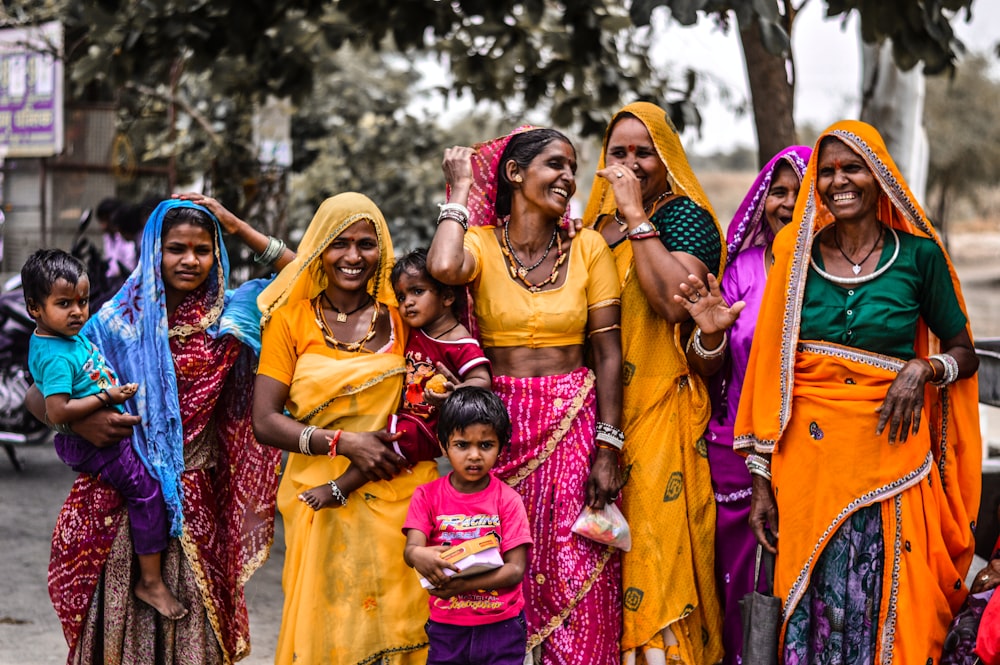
x=604, y=329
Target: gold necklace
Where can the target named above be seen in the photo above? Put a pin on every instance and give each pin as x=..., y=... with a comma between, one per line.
x=328, y=333
x=512, y=264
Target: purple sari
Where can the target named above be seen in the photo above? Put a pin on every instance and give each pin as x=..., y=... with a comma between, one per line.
x=743, y=279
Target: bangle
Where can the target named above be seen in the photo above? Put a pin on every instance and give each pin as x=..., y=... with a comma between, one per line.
x=602, y=445
x=933, y=370
x=456, y=212
x=758, y=466
x=707, y=354
x=274, y=249
x=950, y=369
x=598, y=331
x=61, y=428
x=609, y=434
x=334, y=440
x=104, y=397
x=304, y=437
x=337, y=494
x=643, y=236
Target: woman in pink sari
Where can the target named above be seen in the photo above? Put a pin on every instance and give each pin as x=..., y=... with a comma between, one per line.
x=539, y=295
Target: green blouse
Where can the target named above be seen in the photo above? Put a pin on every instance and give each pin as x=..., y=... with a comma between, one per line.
x=881, y=315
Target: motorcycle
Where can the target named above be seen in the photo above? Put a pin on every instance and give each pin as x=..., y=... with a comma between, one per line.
x=17, y=426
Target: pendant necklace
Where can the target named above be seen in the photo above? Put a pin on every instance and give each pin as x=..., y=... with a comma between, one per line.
x=328, y=335
x=342, y=316
x=856, y=266
x=523, y=270
x=623, y=225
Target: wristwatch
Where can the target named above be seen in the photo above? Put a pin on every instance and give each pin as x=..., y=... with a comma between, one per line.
x=642, y=229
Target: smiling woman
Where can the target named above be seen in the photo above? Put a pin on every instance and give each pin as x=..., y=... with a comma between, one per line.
x=539, y=295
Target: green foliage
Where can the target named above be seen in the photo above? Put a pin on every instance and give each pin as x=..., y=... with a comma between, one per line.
x=963, y=132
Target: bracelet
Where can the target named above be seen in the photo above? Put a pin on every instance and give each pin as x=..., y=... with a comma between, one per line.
x=334, y=440
x=610, y=435
x=758, y=466
x=104, y=396
x=643, y=236
x=950, y=369
x=933, y=370
x=704, y=353
x=602, y=445
x=337, y=494
x=274, y=249
x=616, y=326
x=61, y=428
x=304, y=437
x=455, y=212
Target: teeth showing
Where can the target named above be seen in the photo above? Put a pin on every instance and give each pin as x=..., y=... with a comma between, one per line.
x=843, y=197
x=351, y=271
x=561, y=192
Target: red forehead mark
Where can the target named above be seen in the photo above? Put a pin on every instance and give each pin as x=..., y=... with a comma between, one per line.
x=836, y=164
x=631, y=147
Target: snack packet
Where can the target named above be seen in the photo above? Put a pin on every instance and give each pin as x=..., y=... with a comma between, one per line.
x=607, y=526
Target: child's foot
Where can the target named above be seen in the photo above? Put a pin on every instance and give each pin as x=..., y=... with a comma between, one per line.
x=320, y=497
x=159, y=597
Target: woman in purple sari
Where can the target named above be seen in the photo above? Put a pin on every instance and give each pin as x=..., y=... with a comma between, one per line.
x=766, y=209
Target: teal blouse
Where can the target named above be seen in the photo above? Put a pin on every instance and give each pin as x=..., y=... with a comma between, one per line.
x=881, y=315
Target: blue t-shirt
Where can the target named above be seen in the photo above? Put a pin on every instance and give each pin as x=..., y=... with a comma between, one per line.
x=69, y=365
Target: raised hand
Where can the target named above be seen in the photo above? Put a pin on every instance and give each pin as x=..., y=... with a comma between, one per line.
x=706, y=305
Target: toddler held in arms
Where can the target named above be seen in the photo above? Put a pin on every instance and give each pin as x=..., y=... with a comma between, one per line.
x=441, y=355
x=477, y=618
x=76, y=380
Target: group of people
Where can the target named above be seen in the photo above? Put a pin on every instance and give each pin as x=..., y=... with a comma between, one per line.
x=637, y=359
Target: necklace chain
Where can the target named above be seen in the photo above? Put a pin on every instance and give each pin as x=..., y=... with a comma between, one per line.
x=856, y=266
x=848, y=281
x=342, y=316
x=623, y=225
x=440, y=335
x=523, y=270
x=521, y=273
x=331, y=339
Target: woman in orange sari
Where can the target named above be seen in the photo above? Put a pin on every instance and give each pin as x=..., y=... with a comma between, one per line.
x=859, y=412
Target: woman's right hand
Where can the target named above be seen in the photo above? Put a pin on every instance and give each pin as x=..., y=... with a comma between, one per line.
x=457, y=166
x=105, y=427
x=372, y=453
x=764, y=513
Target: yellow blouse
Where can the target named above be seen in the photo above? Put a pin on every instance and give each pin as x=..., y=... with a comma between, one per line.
x=510, y=315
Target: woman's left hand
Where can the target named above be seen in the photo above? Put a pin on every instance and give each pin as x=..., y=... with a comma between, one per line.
x=904, y=401
x=604, y=482
x=706, y=305
x=987, y=578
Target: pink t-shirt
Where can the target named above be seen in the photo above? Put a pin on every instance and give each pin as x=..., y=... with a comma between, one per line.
x=447, y=517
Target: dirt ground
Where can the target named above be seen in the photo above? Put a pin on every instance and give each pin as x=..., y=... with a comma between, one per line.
x=30, y=634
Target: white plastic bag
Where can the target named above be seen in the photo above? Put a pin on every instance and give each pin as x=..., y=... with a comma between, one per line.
x=607, y=526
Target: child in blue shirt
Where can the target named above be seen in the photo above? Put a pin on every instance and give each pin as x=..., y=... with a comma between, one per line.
x=77, y=381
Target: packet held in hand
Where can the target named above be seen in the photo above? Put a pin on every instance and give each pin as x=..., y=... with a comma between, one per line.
x=471, y=557
x=607, y=526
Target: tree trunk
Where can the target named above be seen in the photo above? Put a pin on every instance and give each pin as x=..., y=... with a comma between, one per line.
x=772, y=94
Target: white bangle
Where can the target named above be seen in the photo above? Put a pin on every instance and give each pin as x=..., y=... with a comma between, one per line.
x=304, y=437
x=950, y=369
x=707, y=354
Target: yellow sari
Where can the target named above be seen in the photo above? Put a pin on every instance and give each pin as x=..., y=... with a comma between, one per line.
x=349, y=598
x=668, y=578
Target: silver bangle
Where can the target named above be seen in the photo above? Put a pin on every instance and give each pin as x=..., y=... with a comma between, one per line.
x=611, y=440
x=950, y=369
x=61, y=428
x=757, y=471
x=456, y=212
x=337, y=494
x=707, y=354
x=275, y=248
x=304, y=437
x=457, y=207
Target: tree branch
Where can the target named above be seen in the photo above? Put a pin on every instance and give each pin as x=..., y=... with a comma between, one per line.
x=180, y=101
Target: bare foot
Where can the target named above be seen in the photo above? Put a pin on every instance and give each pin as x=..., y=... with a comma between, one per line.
x=159, y=597
x=319, y=497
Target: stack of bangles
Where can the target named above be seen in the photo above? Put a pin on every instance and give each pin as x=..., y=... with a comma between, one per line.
x=456, y=212
x=304, y=439
x=275, y=248
x=609, y=437
x=950, y=369
x=708, y=354
x=758, y=465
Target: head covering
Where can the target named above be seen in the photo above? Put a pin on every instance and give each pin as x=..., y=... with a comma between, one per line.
x=132, y=332
x=668, y=146
x=766, y=407
x=304, y=278
x=749, y=226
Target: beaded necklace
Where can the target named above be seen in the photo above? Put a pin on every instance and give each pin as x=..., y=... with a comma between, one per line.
x=512, y=262
x=523, y=270
x=328, y=333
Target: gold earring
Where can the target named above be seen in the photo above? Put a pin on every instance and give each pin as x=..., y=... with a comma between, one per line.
x=518, y=178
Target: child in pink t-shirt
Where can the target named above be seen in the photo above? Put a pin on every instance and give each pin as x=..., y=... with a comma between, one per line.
x=479, y=618
x=438, y=345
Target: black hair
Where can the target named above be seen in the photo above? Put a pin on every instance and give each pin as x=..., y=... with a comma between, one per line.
x=43, y=268
x=414, y=263
x=106, y=209
x=472, y=405
x=522, y=148
x=185, y=215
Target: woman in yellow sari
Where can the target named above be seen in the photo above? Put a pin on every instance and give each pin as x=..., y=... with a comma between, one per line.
x=653, y=213
x=332, y=356
x=860, y=413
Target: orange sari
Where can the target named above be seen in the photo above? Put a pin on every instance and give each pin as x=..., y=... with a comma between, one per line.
x=928, y=487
